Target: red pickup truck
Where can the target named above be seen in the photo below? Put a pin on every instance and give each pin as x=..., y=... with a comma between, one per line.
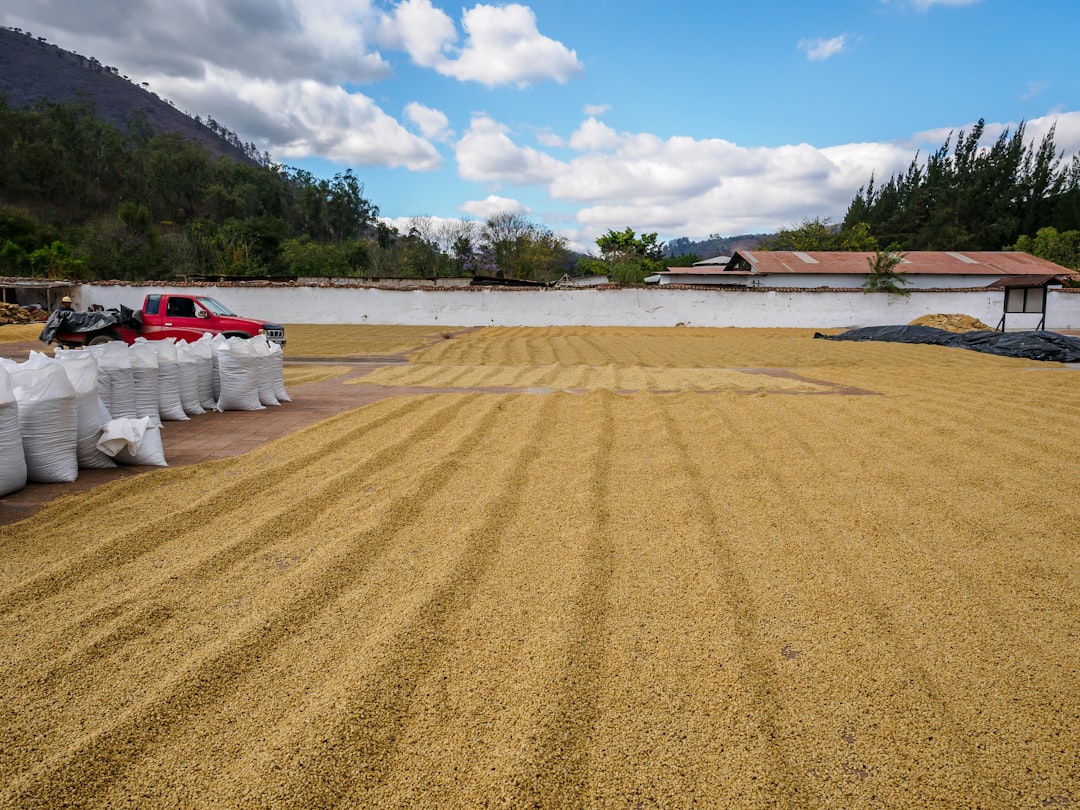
x=163, y=315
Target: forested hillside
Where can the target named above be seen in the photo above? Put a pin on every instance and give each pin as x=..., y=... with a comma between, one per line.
x=80, y=198
x=714, y=245
x=33, y=70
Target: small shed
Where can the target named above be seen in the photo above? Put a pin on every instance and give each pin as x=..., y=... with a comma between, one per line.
x=1025, y=294
x=27, y=292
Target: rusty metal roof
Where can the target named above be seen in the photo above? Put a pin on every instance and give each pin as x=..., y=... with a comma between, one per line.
x=916, y=262
x=1030, y=281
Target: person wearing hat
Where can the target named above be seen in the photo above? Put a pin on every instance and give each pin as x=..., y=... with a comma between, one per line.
x=66, y=305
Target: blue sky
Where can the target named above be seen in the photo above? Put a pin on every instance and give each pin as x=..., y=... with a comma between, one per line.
x=684, y=118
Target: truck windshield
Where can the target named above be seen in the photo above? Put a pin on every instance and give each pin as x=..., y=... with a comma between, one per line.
x=216, y=307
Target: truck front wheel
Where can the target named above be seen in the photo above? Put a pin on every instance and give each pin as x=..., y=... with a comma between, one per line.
x=243, y=335
x=103, y=337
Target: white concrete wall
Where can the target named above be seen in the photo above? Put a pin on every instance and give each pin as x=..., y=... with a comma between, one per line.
x=653, y=306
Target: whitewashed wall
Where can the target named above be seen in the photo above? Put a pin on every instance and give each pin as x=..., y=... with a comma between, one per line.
x=590, y=307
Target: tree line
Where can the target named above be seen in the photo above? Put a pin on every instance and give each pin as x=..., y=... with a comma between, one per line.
x=79, y=198
x=1011, y=195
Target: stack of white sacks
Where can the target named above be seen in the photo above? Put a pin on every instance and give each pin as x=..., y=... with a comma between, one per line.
x=91, y=408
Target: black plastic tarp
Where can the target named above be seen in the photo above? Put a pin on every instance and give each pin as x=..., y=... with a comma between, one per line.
x=1033, y=345
x=65, y=321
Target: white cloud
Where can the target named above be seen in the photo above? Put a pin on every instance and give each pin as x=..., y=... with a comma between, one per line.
x=284, y=40
x=596, y=110
x=504, y=46
x=303, y=118
x=550, y=139
x=682, y=185
x=433, y=124
x=493, y=204
x=487, y=154
x=420, y=29
x=818, y=50
x=594, y=135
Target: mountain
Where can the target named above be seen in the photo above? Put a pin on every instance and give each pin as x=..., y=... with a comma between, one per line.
x=32, y=69
x=715, y=245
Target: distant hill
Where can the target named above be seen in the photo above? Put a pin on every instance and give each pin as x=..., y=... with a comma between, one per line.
x=32, y=69
x=715, y=245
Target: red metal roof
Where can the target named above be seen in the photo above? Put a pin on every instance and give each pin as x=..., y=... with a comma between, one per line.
x=916, y=262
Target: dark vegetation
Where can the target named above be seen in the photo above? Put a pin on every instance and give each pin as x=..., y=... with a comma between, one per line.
x=714, y=245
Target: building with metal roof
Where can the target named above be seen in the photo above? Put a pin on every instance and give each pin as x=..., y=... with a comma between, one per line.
x=841, y=270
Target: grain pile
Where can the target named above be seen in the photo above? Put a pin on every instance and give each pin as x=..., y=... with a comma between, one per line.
x=13, y=313
x=339, y=340
x=576, y=600
x=951, y=323
x=16, y=333
x=308, y=373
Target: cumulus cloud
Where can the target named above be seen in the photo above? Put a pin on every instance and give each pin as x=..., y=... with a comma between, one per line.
x=493, y=204
x=420, y=29
x=693, y=187
x=596, y=110
x=486, y=153
x=504, y=46
x=594, y=135
x=303, y=118
x=432, y=123
x=818, y=50
x=278, y=39
x=681, y=185
x=549, y=139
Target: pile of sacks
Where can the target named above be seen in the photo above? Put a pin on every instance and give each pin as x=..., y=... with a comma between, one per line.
x=95, y=407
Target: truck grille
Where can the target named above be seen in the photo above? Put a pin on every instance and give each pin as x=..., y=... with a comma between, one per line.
x=275, y=333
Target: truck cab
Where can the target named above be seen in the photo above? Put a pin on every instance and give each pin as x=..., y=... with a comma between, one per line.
x=187, y=317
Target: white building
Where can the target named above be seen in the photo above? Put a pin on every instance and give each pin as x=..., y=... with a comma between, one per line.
x=924, y=270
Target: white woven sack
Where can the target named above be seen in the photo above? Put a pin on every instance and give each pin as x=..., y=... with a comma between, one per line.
x=203, y=350
x=189, y=379
x=48, y=421
x=82, y=371
x=260, y=347
x=12, y=455
x=116, y=385
x=277, y=355
x=144, y=371
x=133, y=441
x=238, y=375
x=170, y=406
x=217, y=343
